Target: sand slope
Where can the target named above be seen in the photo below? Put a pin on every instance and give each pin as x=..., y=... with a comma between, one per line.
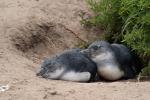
x=17, y=69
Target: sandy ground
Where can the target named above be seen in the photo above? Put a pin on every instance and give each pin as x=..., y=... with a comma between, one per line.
x=17, y=69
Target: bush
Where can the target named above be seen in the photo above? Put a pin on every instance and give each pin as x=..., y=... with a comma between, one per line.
x=146, y=71
x=125, y=21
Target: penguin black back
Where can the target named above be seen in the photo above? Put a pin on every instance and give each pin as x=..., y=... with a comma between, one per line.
x=70, y=64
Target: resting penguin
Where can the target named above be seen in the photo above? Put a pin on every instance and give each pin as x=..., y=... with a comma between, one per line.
x=71, y=65
x=114, y=61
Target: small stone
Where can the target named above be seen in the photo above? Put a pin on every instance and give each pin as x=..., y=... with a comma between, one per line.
x=54, y=93
x=45, y=96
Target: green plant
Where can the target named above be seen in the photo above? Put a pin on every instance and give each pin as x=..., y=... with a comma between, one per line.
x=125, y=21
x=146, y=71
x=106, y=17
x=136, y=18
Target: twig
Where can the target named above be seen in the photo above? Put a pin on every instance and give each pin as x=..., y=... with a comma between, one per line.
x=75, y=34
x=139, y=77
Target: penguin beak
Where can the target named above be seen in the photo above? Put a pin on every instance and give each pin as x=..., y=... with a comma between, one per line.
x=86, y=52
x=40, y=73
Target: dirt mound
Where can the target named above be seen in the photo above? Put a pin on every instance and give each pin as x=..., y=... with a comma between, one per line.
x=31, y=30
x=41, y=39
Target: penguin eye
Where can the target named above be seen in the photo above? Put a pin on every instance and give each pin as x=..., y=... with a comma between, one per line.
x=100, y=46
x=95, y=47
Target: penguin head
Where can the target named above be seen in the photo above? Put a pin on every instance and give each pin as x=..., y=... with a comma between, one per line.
x=44, y=68
x=47, y=68
x=97, y=48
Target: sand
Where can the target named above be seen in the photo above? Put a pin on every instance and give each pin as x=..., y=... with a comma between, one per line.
x=18, y=69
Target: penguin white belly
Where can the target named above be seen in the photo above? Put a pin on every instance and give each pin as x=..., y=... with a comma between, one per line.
x=76, y=76
x=70, y=75
x=110, y=72
x=110, y=69
x=56, y=74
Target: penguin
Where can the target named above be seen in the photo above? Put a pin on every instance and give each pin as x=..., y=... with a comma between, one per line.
x=71, y=65
x=114, y=61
